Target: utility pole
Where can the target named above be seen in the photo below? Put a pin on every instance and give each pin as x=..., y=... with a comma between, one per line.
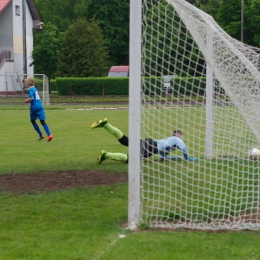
x=242, y=20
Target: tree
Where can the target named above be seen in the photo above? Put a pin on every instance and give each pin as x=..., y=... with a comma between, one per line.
x=254, y=17
x=113, y=17
x=62, y=13
x=209, y=6
x=83, y=53
x=44, y=54
x=229, y=18
x=227, y=14
x=163, y=47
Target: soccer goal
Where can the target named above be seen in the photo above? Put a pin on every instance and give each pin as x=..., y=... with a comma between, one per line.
x=214, y=98
x=12, y=86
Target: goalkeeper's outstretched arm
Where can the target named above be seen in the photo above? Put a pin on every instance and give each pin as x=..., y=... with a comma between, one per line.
x=167, y=145
x=184, y=150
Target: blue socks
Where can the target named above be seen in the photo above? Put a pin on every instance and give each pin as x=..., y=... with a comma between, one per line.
x=47, y=130
x=38, y=130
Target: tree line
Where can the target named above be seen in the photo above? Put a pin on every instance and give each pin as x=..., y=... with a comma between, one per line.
x=83, y=38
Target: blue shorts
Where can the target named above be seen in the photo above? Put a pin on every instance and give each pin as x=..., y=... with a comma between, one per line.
x=40, y=114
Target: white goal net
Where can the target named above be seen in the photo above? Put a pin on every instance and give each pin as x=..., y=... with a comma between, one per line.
x=214, y=98
x=12, y=86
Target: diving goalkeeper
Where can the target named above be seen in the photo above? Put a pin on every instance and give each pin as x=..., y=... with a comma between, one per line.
x=148, y=146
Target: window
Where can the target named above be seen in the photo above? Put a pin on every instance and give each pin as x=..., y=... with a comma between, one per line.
x=17, y=10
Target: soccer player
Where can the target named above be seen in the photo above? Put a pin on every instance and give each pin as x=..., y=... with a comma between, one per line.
x=148, y=146
x=36, y=109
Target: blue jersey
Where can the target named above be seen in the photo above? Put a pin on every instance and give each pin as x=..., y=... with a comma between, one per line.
x=36, y=109
x=36, y=103
x=169, y=144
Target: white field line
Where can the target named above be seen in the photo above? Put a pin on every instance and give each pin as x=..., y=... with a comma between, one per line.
x=109, y=247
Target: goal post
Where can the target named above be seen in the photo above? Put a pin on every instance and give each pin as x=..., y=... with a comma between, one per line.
x=12, y=85
x=214, y=98
x=134, y=115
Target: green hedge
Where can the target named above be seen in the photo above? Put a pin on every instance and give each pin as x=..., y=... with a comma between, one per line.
x=188, y=86
x=181, y=86
x=53, y=86
x=93, y=86
x=119, y=86
x=38, y=84
x=152, y=85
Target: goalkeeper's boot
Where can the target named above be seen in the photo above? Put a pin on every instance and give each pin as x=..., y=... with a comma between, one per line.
x=101, y=157
x=100, y=123
x=49, y=138
x=40, y=138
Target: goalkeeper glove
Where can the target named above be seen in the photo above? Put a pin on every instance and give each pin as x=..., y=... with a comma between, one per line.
x=193, y=159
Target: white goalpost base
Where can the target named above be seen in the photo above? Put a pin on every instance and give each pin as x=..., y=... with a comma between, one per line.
x=12, y=85
x=214, y=100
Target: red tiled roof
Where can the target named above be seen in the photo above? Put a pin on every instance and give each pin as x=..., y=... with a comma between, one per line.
x=4, y=4
x=31, y=4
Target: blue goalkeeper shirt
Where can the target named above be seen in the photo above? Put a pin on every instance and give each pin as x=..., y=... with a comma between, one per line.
x=36, y=103
x=169, y=144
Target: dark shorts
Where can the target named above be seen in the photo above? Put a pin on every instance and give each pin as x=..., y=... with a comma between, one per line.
x=148, y=147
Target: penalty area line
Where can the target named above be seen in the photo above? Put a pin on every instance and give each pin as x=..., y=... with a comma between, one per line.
x=99, y=108
x=109, y=246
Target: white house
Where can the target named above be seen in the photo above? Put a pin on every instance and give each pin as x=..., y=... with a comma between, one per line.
x=18, y=19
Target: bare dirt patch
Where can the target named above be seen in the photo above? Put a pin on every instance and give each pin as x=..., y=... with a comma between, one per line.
x=51, y=181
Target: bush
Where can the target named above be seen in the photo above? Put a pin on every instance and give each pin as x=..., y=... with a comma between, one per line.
x=53, y=86
x=92, y=86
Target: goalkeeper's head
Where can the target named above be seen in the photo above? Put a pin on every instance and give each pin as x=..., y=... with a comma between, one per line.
x=178, y=133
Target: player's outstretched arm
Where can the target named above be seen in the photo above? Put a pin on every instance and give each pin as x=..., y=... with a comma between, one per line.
x=28, y=100
x=170, y=158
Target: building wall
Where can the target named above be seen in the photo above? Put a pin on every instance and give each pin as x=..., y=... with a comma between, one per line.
x=6, y=29
x=18, y=36
x=13, y=37
x=29, y=40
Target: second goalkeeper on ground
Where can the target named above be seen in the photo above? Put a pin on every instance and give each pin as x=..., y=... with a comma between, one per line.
x=148, y=146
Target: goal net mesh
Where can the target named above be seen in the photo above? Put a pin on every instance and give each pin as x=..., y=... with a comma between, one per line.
x=214, y=98
x=12, y=86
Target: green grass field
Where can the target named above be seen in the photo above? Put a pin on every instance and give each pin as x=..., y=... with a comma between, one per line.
x=88, y=223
